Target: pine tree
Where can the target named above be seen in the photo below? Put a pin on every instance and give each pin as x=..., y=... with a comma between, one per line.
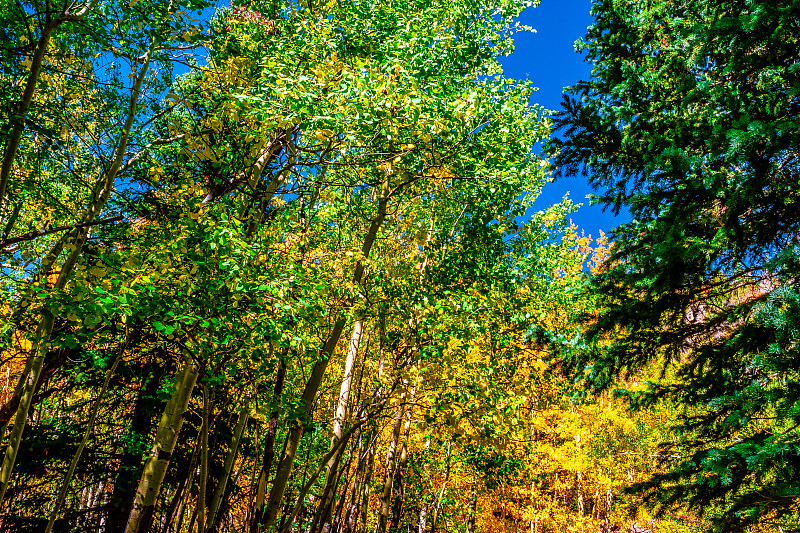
x=690, y=121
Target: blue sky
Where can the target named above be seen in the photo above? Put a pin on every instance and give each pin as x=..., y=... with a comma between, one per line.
x=549, y=59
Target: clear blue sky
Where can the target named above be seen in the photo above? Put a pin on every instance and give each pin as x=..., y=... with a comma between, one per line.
x=549, y=59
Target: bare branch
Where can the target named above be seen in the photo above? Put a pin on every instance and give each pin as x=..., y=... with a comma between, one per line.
x=158, y=142
x=5, y=243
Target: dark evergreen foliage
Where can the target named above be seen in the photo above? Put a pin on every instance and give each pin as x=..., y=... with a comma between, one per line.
x=690, y=121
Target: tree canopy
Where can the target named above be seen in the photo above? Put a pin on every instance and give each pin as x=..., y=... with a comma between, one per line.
x=286, y=289
x=690, y=122
x=274, y=267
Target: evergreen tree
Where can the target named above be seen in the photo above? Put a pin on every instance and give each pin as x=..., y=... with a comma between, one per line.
x=690, y=121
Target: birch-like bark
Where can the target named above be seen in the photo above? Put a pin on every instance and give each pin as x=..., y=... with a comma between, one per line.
x=357, y=481
x=166, y=437
x=347, y=380
x=367, y=484
x=373, y=433
x=332, y=467
x=139, y=424
x=335, y=521
x=203, y=482
x=401, y=465
x=175, y=509
x=297, y=428
x=52, y=362
x=351, y=515
x=310, y=482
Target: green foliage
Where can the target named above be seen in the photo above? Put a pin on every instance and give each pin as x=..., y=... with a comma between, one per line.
x=690, y=121
x=320, y=166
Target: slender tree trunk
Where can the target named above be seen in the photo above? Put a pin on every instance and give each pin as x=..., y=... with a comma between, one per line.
x=310, y=482
x=227, y=468
x=175, y=509
x=439, y=498
x=83, y=503
x=200, y=512
x=52, y=362
x=129, y=469
x=253, y=485
x=322, y=516
x=422, y=523
x=297, y=427
x=269, y=448
x=177, y=525
x=357, y=482
x=336, y=520
x=391, y=463
x=366, y=488
x=62, y=494
x=30, y=380
x=473, y=504
x=166, y=438
x=350, y=517
x=401, y=466
x=193, y=519
x=372, y=440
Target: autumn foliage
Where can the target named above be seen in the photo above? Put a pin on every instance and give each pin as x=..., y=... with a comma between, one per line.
x=275, y=267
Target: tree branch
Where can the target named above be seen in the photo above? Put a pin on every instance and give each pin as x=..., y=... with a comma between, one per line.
x=5, y=243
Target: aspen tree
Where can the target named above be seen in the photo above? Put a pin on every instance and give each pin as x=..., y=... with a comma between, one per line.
x=323, y=514
x=166, y=438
